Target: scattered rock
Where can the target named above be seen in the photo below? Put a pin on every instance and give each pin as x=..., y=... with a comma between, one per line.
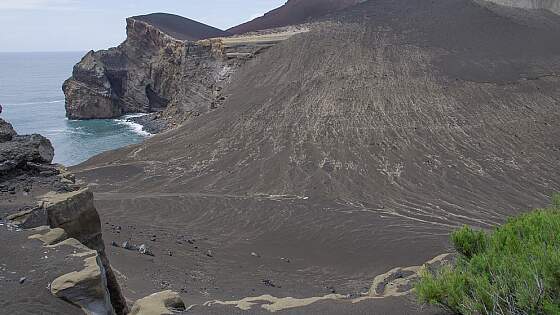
x=144, y=250
x=255, y=254
x=269, y=283
x=129, y=246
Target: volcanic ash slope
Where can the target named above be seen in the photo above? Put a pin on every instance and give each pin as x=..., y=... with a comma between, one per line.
x=351, y=149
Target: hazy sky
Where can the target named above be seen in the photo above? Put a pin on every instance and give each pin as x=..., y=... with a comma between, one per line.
x=80, y=25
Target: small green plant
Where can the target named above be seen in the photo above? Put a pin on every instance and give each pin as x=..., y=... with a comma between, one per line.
x=556, y=201
x=514, y=269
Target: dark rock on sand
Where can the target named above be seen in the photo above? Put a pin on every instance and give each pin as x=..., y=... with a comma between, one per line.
x=17, y=151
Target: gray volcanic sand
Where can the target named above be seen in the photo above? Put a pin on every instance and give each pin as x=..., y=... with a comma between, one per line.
x=291, y=13
x=350, y=150
x=40, y=266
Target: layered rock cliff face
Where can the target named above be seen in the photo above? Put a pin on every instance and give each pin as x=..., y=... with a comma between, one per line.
x=162, y=70
x=151, y=71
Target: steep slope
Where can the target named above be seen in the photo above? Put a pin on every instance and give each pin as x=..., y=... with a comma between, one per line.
x=346, y=151
x=292, y=13
x=179, y=27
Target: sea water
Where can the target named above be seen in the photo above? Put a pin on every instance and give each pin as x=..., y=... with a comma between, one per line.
x=33, y=102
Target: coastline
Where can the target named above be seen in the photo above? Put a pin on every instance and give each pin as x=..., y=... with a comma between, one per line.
x=134, y=122
x=151, y=123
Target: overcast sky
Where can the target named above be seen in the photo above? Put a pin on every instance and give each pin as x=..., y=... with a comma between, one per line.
x=81, y=25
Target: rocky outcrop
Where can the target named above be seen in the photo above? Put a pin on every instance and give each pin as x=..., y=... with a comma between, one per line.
x=51, y=200
x=7, y=132
x=86, y=288
x=166, y=302
x=149, y=72
x=155, y=71
x=73, y=215
x=74, y=212
x=22, y=151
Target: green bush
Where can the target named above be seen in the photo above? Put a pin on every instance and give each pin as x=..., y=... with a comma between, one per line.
x=514, y=269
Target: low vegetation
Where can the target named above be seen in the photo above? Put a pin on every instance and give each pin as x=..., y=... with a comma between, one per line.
x=514, y=269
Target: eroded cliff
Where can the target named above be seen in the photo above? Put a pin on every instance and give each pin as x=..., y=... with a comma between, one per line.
x=157, y=71
x=150, y=72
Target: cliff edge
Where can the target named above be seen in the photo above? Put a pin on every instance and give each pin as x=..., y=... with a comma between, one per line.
x=163, y=69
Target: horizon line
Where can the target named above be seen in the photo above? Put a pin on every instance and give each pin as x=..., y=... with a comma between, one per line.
x=43, y=51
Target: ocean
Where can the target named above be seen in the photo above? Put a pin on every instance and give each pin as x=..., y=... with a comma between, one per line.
x=33, y=102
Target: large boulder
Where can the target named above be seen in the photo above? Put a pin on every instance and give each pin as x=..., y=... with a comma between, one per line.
x=7, y=132
x=20, y=150
x=76, y=214
x=86, y=288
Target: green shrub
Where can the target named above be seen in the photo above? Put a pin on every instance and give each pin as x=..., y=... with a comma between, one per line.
x=469, y=242
x=514, y=269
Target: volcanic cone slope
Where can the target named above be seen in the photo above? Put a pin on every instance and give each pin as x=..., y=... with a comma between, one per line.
x=350, y=150
x=293, y=12
x=179, y=27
